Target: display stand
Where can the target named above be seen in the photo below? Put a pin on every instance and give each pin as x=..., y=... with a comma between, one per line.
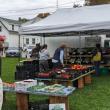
x=58, y=100
x=22, y=98
x=22, y=101
x=82, y=79
x=80, y=83
x=88, y=79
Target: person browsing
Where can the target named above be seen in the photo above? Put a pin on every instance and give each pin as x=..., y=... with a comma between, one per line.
x=96, y=58
x=58, y=57
x=43, y=60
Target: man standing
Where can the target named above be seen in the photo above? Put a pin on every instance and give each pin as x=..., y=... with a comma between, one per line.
x=58, y=58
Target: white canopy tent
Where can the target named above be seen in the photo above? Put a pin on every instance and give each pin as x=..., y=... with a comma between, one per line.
x=88, y=18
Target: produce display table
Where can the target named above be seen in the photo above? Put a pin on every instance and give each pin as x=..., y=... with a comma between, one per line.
x=82, y=79
x=22, y=98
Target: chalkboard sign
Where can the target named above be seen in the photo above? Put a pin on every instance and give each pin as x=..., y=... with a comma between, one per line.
x=92, y=41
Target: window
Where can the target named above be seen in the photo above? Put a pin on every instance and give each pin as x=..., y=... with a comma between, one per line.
x=107, y=43
x=12, y=27
x=108, y=35
x=33, y=40
x=27, y=40
x=0, y=28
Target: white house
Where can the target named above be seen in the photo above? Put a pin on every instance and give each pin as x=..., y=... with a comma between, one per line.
x=28, y=39
x=9, y=28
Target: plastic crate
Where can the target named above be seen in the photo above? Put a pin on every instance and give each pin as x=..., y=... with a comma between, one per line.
x=104, y=71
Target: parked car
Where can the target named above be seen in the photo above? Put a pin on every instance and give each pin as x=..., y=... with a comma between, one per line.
x=13, y=52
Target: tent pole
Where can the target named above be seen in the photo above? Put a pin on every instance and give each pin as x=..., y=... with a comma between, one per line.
x=19, y=44
x=44, y=38
x=80, y=47
x=41, y=40
x=19, y=48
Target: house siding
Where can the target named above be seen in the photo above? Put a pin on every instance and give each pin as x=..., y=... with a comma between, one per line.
x=4, y=31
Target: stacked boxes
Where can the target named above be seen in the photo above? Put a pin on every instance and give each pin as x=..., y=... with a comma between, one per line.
x=26, y=70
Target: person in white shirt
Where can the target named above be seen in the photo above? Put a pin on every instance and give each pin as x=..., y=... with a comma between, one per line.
x=43, y=60
x=24, y=51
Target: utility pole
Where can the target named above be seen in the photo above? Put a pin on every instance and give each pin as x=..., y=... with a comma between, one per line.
x=19, y=45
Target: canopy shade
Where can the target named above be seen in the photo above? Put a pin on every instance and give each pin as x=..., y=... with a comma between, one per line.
x=88, y=18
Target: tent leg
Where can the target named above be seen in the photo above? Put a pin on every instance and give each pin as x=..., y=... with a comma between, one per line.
x=19, y=48
x=40, y=40
x=44, y=38
x=80, y=47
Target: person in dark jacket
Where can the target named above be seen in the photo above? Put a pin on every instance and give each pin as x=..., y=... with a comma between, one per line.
x=58, y=57
x=96, y=58
x=35, y=52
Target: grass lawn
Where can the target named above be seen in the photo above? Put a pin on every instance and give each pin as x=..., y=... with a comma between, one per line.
x=95, y=96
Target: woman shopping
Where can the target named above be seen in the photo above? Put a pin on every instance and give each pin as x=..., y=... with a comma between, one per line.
x=44, y=56
x=96, y=58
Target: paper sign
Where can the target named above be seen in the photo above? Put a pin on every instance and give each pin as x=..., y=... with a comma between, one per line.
x=57, y=106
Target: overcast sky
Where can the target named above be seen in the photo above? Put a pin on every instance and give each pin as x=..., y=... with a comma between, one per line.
x=29, y=8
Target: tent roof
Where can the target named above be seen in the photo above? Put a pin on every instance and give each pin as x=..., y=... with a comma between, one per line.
x=72, y=20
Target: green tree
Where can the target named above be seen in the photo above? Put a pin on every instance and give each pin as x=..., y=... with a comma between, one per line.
x=97, y=2
x=23, y=20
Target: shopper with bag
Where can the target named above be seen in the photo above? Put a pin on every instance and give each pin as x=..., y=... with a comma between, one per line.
x=96, y=58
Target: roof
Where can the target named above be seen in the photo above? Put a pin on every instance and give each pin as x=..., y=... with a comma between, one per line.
x=10, y=21
x=85, y=18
